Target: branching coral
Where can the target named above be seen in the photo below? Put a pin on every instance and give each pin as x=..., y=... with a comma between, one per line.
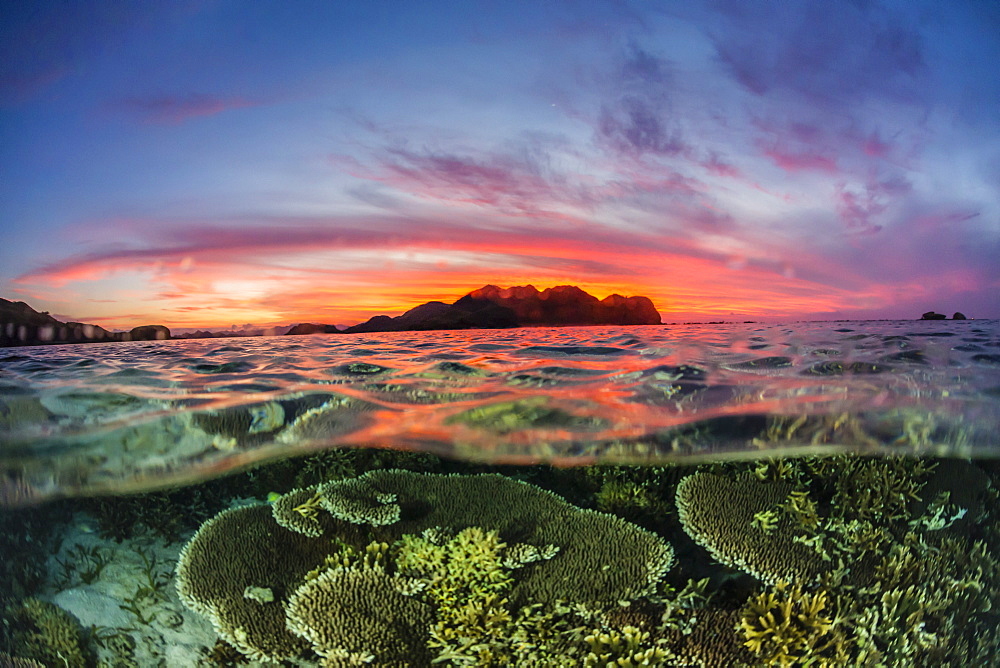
x=788, y=626
x=45, y=632
x=896, y=585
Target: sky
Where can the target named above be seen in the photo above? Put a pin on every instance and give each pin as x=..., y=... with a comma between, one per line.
x=205, y=163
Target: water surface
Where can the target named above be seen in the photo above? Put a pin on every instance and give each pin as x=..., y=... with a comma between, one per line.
x=110, y=418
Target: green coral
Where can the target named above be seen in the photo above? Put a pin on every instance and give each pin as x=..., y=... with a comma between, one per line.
x=394, y=502
x=628, y=647
x=737, y=521
x=892, y=583
x=245, y=548
x=359, y=615
x=788, y=626
x=473, y=556
x=45, y=632
x=468, y=566
x=629, y=500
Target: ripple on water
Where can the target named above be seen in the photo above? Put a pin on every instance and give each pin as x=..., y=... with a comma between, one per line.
x=135, y=415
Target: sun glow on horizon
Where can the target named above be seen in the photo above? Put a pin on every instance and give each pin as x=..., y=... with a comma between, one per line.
x=623, y=147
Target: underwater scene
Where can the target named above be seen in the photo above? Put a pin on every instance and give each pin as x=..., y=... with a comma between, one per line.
x=803, y=494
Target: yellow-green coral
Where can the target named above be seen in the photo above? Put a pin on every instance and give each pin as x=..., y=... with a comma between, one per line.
x=626, y=648
x=359, y=615
x=45, y=632
x=628, y=499
x=392, y=503
x=788, y=626
x=468, y=567
x=241, y=548
x=898, y=586
x=734, y=520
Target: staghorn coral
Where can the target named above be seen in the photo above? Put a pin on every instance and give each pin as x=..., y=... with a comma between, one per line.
x=467, y=566
x=298, y=511
x=8, y=661
x=930, y=603
x=359, y=615
x=685, y=628
x=46, y=633
x=589, y=542
x=896, y=582
x=709, y=640
x=628, y=647
x=630, y=500
x=244, y=548
x=788, y=626
x=882, y=489
x=734, y=521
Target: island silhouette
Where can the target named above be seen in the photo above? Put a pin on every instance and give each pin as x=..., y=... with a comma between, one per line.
x=488, y=307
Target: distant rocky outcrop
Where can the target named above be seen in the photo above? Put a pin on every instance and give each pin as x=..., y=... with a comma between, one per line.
x=568, y=305
x=931, y=315
x=492, y=307
x=149, y=333
x=245, y=331
x=312, y=328
x=959, y=316
x=21, y=325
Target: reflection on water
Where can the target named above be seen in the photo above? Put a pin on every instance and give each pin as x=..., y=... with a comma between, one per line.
x=131, y=416
x=214, y=522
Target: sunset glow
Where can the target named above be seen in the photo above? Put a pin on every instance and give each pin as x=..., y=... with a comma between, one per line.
x=204, y=164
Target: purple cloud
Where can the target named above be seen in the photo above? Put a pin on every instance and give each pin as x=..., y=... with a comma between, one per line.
x=636, y=122
x=859, y=208
x=173, y=110
x=506, y=182
x=719, y=167
x=834, y=53
x=799, y=161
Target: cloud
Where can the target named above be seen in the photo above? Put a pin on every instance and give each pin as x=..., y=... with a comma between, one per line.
x=501, y=181
x=636, y=121
x=802, y=161
x=173, y=110
x=831, y=53
x=719, y=167
x=859, y=207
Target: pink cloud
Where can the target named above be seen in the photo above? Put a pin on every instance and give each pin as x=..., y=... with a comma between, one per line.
x=803, y=161
x=874, y=147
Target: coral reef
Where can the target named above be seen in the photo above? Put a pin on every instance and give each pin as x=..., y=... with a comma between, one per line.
x=46, y=633
x=836, y=561
x=8, y=661
x=242, y=548
x=787, y=626
x=460, y=565
x=893, y=582
x=359, y=615
x=738, y=522
x=395, y=502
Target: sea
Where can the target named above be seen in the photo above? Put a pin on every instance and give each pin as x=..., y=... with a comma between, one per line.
x=819, y=493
